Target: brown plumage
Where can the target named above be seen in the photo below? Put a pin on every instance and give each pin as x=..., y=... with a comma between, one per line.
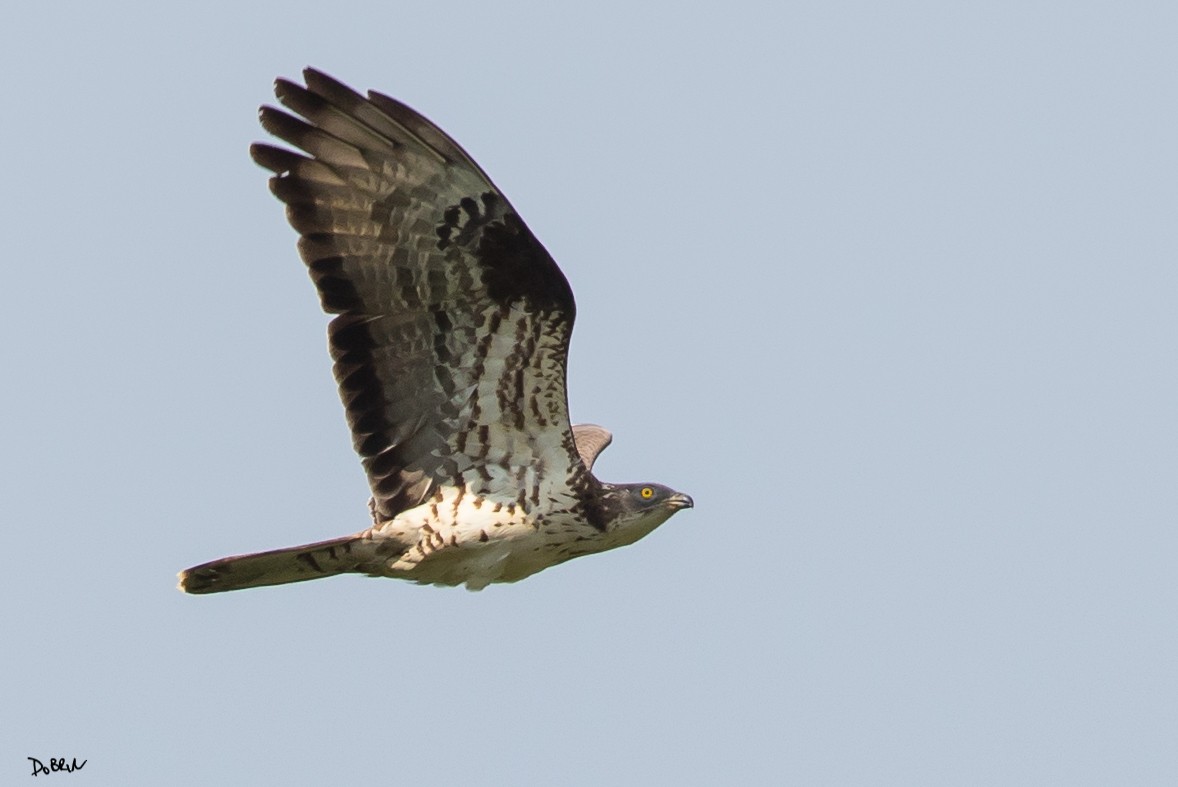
x=450, y=346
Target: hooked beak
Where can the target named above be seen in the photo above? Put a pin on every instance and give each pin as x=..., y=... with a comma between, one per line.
x=678, y=501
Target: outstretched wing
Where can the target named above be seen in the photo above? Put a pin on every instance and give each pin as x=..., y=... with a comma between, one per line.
x=591, y=440
x=453, y=322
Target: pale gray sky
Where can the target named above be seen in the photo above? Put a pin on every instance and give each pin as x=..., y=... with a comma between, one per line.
x=888, y=288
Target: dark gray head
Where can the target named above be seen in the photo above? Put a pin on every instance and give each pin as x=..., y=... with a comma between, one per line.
x=634, y=510
x=628, y=511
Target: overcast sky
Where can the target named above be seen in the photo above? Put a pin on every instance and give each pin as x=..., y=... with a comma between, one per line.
x=889, y=288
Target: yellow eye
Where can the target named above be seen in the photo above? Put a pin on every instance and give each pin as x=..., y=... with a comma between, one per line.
x=647, y=493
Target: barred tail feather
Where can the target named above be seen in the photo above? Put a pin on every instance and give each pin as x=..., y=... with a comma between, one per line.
x=277, y=567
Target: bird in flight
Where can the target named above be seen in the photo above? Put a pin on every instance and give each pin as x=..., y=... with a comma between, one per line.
x=450, y=344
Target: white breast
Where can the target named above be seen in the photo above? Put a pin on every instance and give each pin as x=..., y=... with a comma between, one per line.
x=459, y=538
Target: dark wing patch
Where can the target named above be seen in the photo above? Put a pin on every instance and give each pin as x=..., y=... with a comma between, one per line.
x=453, y=323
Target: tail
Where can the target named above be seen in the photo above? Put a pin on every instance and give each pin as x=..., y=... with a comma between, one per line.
x=279, y=566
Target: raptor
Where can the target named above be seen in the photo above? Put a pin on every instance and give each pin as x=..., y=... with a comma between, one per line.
x=450, y=346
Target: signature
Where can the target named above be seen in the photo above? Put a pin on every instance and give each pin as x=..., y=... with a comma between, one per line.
x=56, y=764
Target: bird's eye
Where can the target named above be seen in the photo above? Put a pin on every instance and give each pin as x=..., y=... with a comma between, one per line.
x=647, y=493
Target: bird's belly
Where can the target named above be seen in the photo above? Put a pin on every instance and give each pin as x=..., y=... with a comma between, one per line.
x=457, y=539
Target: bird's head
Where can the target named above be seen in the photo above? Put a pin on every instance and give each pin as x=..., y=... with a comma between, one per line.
x=637, y=509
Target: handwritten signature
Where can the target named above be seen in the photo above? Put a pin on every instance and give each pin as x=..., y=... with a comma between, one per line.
x=56, y=764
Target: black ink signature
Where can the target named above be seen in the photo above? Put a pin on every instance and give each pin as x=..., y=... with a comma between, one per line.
x=56, y=765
